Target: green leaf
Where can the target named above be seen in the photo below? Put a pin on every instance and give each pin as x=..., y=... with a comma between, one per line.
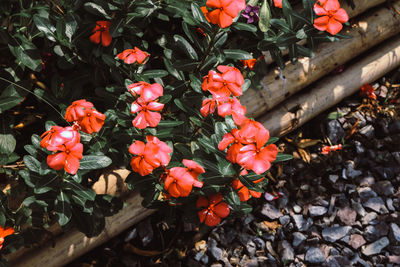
x=9, y=102
x=185, y=46
x=96, y=9
x=79, y=190
x=93, y=162
x=63, y=208
x=237, y=54
x=195, y=83
x=179, y=104
x=7, y=140
x=272, y=140
x=32, y=164
x=170, y=123
x=335, y=115
x=151, y=74
x=244, y=27
x=265, y=17
x=283, y=157
x=225, y=167
x=198, y=14
x=207, y=144
x=44, y=25
x=44, y=184
x=70, y=26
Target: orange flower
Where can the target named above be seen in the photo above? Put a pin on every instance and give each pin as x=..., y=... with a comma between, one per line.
x=327, y=149
x=225, y=11
x=146, y=116
x=232, y=106
x=87, y=117
x=130, y=56
x=332, y=16
x=57, y=136
x=278, y=3
x=214, y=209
x=221, y=85
x=101, y=33
x=249, y=63
x=67, y=159
x=243, y=192
x=4, y=233
x=368, y=91
x=237, y=142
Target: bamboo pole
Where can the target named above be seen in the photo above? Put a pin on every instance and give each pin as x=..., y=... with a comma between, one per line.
x=370, y=30
x=331, y=90
x=360, y=7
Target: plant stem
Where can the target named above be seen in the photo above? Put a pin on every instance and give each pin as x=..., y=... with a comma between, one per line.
x=209, y=49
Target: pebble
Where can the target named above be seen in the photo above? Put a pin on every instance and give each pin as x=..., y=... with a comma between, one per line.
x=395, y=233
x=357, y=241
x=335, y=131
x=298, y=238
x=301, y=223
x=351, y=172
x=332, y=234
x=270, y=211
x=297, y=208
x=347, y=215
x=287, y=252
x=376, y=204
x=315, y=211
x=369, y=217
x=333, y=178
x=251, y=248
x=314, y=255
x=368, y=131
x=366, y=192
x=376, y=247
x=360, y=149
x=284, y=220
x=383, y=188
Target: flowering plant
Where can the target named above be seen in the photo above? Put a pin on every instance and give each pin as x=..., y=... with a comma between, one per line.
x=166, y=79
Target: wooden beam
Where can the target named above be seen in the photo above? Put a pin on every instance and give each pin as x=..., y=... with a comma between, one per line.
x=369, y=30
x=332, y=89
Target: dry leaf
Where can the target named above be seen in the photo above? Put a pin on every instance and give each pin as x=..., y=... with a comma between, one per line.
x=272, y=225
x=304, y=143
x=304, y=155
x=353, y=129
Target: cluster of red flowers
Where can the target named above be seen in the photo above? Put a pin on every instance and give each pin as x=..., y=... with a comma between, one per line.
x=4, y=233
x=331, y=16
x=145, y=104
x=223, y=11
x=66, y=140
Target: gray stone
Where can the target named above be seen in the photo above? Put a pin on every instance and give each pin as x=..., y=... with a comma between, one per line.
x=369, y=217
x=270, y=211
x=383, y=188
x=301, y=223
x=376, y=247
x=284, y=220
x=298, y=238
x=314, y=255
x=362, y=121
x=376, y=204
x=332, y=234
x=366, y=192
x=251, y=248
x=360, y=149
x=368, y=131
x=395, y=232
x=259, y=243
x=347, y=215
x=216, y=252
x=287, y=252
x=315, y=211
x=297, y=208
x=335, y=131
x=333, y=178
x=351, y=172
x=367, y=181
x=389, y=204
x=357, y=241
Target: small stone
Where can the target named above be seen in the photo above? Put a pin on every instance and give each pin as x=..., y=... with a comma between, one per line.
x=347, y=215
x=270, y=211
x=332, y=234
x=367, y=181
x=284, y=220
x=368, y=131
x=394, y=259
x=395, y=233
x=298, y=238
x=315, y=211
x=389, y=204
x=351, y=172
x=361, y=119
x=366, y=192
x=333, y=178
x=360, y=149
x=335, y=131
x=314, y=255
x=369, y=217
x=301, y=223
x=297, y=208
x=376, y=204
x=383, y=188
x=251, y=248
x=216, y=252
x=216, y=265
x=376, y=247
x=357, y=241
x=287, y=252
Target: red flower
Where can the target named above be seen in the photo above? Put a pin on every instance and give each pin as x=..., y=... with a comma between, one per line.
x=179, y=181
x=149, y=156
x=146, y=117
x=249, y=130
x=130, y=56
x=146, y=91
x=278, y=3
x=222, y=85
x=88, y=118
x=57, y=136
x=236, y=140
x=368, y=91
x=255, y=156
x=249, y=63
x=208, y=106
x=101, y=33
x=225, y=11
x=233, y=107
x=332, y=16
x=67, y=159
x=214, y=209
x=4, y=233
x=243, y=192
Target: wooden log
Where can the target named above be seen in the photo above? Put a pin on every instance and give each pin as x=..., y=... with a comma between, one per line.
x=331, y=90
x=370, y=29
x=360, y=7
